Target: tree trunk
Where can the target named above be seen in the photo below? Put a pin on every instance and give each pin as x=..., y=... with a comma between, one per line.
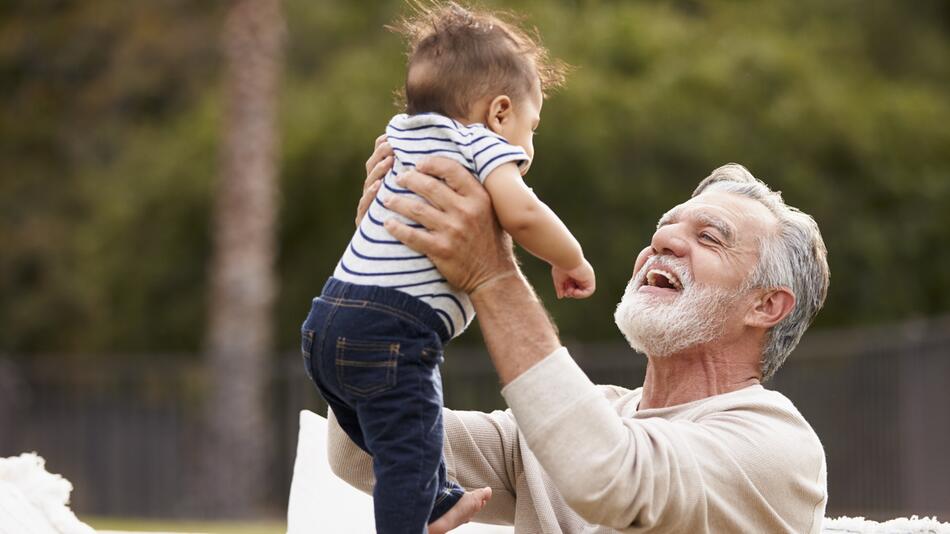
x=243, y=285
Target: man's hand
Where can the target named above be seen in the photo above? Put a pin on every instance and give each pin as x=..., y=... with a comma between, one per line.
x=377, y=166
x=462, y=236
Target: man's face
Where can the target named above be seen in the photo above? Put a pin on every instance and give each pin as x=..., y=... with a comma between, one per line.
x=687, y=288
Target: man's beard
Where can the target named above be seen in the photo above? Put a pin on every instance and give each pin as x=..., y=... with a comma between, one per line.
x=658, y=327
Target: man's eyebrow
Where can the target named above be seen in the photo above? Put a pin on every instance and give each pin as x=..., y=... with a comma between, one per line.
x=705, y=219
x=669, y=217
x=721, y=226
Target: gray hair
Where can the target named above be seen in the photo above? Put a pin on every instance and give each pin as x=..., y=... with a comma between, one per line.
x=794, y=256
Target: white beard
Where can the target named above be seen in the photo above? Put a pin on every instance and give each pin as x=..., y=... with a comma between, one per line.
x=660, y=327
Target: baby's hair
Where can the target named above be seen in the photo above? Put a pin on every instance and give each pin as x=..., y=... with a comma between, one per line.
x=459, y=55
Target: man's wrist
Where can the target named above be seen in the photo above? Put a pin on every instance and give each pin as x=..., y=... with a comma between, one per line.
x=517, y=330
x=503, y=287
x=496, y=279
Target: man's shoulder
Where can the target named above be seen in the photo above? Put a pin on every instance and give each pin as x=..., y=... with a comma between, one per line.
x=755, y=403
x=768, y=436
x=769, y=401
x=623, y=399
x=767, y=416
x=755, y=396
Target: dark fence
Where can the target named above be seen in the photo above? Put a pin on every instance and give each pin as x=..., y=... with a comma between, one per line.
x=127, y=434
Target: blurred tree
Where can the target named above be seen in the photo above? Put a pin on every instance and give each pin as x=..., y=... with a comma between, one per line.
x=113, y=113
x=243, y=284
x=91, y=195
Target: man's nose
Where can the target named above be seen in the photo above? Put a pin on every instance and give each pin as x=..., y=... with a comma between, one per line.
x=669, y=239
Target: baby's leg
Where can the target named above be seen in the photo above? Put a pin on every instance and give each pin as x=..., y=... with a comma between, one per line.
x=463, y=511
x=402, y=425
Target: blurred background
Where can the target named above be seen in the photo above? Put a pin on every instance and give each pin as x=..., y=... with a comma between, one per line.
x=179, y=178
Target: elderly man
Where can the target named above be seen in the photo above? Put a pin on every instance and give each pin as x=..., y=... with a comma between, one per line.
x=717, y=301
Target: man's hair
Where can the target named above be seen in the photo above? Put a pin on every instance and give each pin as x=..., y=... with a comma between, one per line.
x=794, y=256
x=459, y=55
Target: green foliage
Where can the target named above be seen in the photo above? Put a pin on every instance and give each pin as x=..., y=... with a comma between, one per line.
x=111, y=125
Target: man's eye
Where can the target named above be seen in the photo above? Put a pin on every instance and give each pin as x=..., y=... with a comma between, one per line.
x=708, y=237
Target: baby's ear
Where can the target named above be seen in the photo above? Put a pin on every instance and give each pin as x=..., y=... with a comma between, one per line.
x=499, y=110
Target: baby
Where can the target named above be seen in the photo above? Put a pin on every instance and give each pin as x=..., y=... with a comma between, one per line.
x=373, y=340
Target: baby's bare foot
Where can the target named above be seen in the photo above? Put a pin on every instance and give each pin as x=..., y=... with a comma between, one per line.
x=462, y=512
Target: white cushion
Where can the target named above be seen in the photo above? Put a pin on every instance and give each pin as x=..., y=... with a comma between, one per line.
x=321, y=502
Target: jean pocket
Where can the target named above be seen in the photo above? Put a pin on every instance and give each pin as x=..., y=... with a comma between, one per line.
x=306, y=348
x=366, y=368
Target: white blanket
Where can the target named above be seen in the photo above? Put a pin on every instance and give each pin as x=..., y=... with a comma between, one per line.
x=33, y=501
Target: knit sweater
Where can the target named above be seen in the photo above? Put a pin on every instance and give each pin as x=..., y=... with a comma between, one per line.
x=573, y=457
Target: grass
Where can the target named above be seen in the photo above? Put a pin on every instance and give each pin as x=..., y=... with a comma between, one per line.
x=125, y=524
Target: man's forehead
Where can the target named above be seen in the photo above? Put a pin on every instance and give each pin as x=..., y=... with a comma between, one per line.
x=738, y=211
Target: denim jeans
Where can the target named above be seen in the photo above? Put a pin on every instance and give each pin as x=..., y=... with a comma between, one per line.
x=374, y=354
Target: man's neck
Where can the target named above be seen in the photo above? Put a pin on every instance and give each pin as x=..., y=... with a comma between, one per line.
x=697, y=374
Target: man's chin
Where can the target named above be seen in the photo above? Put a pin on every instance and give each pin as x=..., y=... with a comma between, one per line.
x=653, y=327
x=649, y=345
x=644, y=305
x=657, y=344
x=626, y=317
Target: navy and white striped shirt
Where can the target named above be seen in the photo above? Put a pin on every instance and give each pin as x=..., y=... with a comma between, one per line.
x=374, y=257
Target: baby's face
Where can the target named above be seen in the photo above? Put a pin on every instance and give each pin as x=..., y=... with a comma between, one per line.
x=519, y=130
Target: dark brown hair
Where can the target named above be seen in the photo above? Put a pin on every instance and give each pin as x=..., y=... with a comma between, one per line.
x=459, y=55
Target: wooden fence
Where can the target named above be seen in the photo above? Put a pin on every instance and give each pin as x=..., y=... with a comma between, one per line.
x=127, y=434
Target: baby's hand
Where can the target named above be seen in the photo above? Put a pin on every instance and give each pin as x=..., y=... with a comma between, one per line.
x=577, y=283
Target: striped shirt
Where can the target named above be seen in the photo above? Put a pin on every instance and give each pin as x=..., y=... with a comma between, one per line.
x=374, y=257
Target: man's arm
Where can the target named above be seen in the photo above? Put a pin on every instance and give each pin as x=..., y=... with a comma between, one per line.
x=480, y=451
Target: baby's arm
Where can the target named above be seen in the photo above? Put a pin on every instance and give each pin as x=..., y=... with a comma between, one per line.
x=539, y=230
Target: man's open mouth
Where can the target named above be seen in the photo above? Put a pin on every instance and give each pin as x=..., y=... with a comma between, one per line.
x=662, y=279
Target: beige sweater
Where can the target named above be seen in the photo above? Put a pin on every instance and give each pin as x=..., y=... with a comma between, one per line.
x=572, y=457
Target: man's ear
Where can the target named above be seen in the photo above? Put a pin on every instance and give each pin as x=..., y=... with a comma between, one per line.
x=499, y=110
x=771, y=307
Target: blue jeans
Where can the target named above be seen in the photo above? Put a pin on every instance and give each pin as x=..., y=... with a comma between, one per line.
x=374, y=354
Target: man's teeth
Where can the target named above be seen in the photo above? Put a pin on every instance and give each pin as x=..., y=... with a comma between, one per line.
x=661, y=278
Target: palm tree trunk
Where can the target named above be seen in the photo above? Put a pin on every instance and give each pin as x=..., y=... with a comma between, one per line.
x=243, y=285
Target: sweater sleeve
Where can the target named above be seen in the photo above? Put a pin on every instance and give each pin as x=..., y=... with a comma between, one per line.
x=610, y=470
x=346, y=459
